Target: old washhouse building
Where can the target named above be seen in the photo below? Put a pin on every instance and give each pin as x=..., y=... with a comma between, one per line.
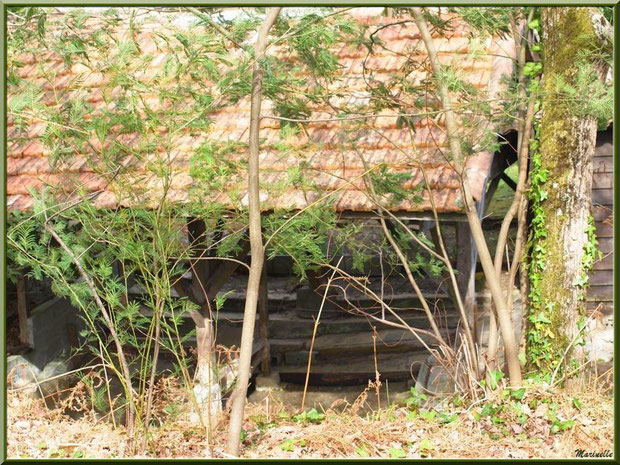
x=332, y=159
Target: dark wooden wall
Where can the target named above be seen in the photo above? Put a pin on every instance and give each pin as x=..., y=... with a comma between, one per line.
x=600, y=294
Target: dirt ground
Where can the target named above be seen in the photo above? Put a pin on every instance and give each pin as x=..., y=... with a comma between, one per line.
x=545, y=424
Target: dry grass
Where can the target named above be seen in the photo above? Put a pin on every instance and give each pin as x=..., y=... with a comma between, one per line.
x=271, y=430
x=348, y=435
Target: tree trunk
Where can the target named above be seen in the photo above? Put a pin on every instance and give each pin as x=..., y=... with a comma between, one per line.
x=256, y=239
x=567, y=142
x=263, y=311
x=207, y=389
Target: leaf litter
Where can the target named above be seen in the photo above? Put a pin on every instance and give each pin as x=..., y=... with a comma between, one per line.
x=539, y=424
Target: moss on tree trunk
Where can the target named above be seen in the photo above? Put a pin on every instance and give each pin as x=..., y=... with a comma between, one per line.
x=567, y=142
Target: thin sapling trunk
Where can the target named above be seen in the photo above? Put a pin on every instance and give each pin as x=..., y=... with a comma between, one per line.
x=514, y=368
x=256, y=239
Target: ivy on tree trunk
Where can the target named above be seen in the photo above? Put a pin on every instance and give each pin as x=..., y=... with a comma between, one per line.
x=562, y=198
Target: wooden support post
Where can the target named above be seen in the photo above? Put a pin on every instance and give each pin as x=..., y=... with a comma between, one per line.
x=490, y=191
x=445, y=277
x=204, y=341
x=183, y=289
x=207, y=389
x=263, y=328
x=309, y=298
x=508, y=180
x=25, y=337
x=394, y=230
x=219, y=275
x=466, y=267
x=201, y=269
x=222, y=273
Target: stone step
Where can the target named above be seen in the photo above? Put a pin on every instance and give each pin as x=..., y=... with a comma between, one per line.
x=235, y=302
x=290, y=323
x=333, y=346
x=290, y=332
x=390, y=340
x=353, y=370
x=293, y=326
x=284, y=294
x=399, y=298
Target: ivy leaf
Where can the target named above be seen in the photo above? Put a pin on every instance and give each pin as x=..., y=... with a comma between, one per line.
x=532, y=69
x=487, y=410
x=447, y=418
x=580, y=280
x=581, y=324
x=315, y=416
x=428, y=415
x=541, y=318
x=518, y=394
x=534, y=24
x=397, y=453
x=425, y=446
x=495, y=376
x=288, y=445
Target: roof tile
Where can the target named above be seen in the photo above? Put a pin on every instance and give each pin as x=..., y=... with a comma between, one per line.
x=333, y=164
x=34, y=149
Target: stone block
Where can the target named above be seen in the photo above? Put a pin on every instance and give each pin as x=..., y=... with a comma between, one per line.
x=265, y=383
x=434, y=380
x=22, y=374
x=280, y=265
x=600, y=338
x=26, y=376
x=55, y=326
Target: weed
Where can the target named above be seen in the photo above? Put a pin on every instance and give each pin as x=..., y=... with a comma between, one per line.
x=311, y=416
x=447, y=417
x=416, y=399
x=290, y=444
x=428, y=414
x=397, y=453
x=425, y=447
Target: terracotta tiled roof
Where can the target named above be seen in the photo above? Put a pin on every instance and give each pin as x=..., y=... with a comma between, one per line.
x=331, y=159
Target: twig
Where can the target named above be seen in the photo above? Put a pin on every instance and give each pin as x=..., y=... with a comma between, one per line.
x=377, y=375
x=107, y=382
x=216, y=26
x=316, y=326
x=454, y=141
x=108, y=320
x=568, y=348
x=316, y=202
